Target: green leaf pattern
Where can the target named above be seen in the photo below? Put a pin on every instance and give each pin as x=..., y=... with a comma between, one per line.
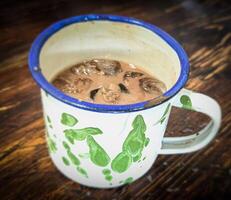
x=163, y=117
x=68, y=120
x=80, y=134
x=65, y=161
x=97, y=154
x=186, y=102
x=131, y=151
x=132, y=147
x=51, y=145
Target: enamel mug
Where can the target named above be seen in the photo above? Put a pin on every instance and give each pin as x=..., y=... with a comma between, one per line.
x=105, y=146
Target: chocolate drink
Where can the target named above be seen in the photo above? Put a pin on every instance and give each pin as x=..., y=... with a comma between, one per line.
x=108, y=82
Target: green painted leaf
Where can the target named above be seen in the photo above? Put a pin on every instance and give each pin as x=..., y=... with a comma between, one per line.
x=135, y=141
x=73, y=158
x=162, y=120
x=84, y=155
x=97, y=154
x=138, y=122
x=51, y=145
x=106, y=171
x=91, y=130
x=66, y=146
x=108, y=177
x=81, y=134
x=65, y=161
x=69, y=136
x=186, y=102
x=128, y=180
x=121, y=162
x=68, y=120
x=136, y=158
x=166, y=110
x=133, y=145
x=147, y=140
x=74, y=134
x=48, y=119
x=163, y=117
x=82, y=171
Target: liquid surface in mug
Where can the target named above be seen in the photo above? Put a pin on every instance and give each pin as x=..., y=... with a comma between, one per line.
x=104, y=81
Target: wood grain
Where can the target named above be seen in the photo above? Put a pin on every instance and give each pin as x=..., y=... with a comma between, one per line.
x=26, y=171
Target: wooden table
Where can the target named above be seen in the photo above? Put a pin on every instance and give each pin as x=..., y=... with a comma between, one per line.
x=26, y=171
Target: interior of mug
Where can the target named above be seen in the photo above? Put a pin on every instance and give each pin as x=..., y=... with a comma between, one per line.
x=111, y=40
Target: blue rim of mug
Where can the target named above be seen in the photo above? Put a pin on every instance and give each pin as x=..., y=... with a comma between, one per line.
x=38, y=43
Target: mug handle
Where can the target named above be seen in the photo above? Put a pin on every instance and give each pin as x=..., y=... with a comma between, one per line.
x=189, y=100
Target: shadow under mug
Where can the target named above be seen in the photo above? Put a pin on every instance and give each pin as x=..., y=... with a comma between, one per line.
x=106, y=146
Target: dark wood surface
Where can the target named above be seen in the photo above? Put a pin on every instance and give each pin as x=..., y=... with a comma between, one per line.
x=26, y=171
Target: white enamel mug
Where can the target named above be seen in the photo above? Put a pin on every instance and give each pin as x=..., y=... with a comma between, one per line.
x=106, y=146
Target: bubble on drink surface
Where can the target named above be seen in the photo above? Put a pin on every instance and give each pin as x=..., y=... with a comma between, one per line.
x=63, y=84
x=107, y=67
x=131, y=74
x=77, y=86
x=152, y=86
x=58, y=82
x=97, y=66
x=111, y=94
x=82, y=84
x=84, y=68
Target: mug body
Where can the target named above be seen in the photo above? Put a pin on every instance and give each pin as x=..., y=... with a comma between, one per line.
x=105, y=145
x=103, y=149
